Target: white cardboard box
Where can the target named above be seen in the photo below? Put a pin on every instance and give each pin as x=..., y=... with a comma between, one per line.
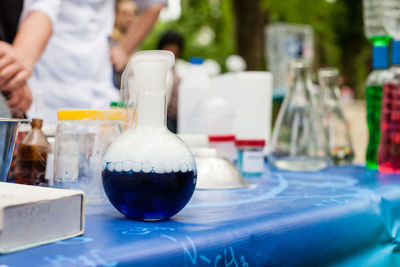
x=32, y=215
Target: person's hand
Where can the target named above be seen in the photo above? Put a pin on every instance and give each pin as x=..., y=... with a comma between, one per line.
x=118, y=57
x=19, y=100
x=13, y=71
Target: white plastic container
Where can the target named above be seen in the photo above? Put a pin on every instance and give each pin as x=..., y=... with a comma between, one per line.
x=82, y=138
x=225, y=145
x=214, y=116
x=250, y=157
x=195, y=86
x=249, y=93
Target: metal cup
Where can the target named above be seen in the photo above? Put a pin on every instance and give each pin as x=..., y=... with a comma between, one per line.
x=8, y=134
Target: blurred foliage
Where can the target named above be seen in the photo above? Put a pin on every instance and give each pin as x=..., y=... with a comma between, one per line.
x=338, y=32
x=197, y=17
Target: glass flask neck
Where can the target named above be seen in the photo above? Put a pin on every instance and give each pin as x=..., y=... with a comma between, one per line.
x=151, y=110
x=36, y=124
x=302, y=84
x=150, y=70
x=329, y=87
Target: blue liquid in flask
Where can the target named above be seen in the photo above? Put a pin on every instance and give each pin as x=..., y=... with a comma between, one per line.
x=149, y=196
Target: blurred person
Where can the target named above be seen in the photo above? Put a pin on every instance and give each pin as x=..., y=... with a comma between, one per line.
x=125, y=11
x=12, y=83
x=140, y=27
x=10, y=12
x=172, y=41
x=71, y=39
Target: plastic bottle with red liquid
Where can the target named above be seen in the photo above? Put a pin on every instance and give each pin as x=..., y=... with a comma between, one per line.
x=389, y=145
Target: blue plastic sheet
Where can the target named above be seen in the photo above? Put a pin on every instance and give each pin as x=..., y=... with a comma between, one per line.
x=343, y=216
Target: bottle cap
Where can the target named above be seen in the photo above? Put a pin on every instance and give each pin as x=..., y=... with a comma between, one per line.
x=196, y=60
x=75, y=114
x=221, y=138
x=396, y=52
x=117, y=104
x=380, y=57
x=250, y=142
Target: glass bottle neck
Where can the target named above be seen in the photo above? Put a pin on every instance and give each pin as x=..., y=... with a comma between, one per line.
x=303, y=76
x=329, y=91
x=151, y=110
x=302, y=83
x=37, y=124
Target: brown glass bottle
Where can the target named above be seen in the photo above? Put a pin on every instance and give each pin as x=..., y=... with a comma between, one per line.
x=32, y=156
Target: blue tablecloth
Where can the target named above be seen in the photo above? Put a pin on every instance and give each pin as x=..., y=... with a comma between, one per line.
x=341, y=216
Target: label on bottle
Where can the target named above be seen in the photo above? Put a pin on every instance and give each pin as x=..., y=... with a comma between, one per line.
x=253, y=161
x=67, y=169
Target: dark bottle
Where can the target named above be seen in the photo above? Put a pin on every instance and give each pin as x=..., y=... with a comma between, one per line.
x=32, y=156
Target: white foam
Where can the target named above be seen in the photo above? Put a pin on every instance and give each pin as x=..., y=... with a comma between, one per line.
x=110, y=166
x=127, y=165
x=168, y=166
x=146, y=167
x=147, y=151
x=184, y=167
x=136, y=166
x=118, y=166
x=175, y=165
x=158, y=167
x=190, y=166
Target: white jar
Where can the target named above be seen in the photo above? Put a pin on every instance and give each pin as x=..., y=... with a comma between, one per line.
x=225, y=145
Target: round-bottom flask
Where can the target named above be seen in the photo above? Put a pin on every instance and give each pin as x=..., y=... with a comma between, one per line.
x=149, y=173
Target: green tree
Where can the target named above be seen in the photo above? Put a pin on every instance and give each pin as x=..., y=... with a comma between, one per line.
x=214, y=17
x=237, y=26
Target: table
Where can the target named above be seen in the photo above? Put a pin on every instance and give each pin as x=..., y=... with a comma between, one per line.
x=343, y=216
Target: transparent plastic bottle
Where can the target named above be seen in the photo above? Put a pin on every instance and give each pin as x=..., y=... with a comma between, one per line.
x=195, y=87
x=149, y=173
x=374, y=88
x=373, y=11
x=391, y=17
x=335, y=125
x=298, y=140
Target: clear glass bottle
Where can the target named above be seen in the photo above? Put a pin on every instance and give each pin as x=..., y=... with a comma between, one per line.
x=373, y=11
x=149, y=173
x=332, y=118
x=298, y=140
x=32, y=157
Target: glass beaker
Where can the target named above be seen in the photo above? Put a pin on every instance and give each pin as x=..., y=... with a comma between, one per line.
x=298, y=140
x=332, y=118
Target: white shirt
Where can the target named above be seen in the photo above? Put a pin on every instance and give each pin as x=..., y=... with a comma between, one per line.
x=74, y=70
